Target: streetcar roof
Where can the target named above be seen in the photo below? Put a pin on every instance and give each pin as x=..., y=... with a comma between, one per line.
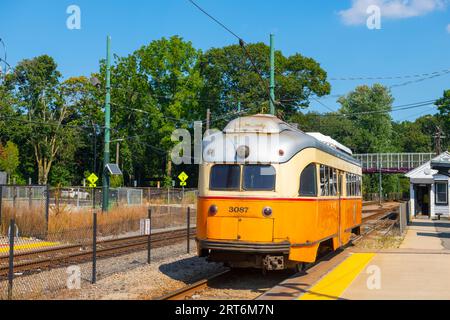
x=253, y=131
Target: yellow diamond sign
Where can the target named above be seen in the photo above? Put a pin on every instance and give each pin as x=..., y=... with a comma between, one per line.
x=92, y=179
x=183, y=177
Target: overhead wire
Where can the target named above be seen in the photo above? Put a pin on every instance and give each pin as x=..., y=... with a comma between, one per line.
x=243, y=45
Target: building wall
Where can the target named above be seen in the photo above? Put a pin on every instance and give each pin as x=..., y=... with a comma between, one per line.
x=434, y=209
x=444, y=210
x=412, y=198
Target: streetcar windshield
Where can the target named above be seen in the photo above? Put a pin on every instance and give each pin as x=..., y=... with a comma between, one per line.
x=259, y=177
x=225, y=177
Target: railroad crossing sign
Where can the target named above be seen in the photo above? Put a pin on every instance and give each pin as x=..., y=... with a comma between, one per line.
x=183, y=178
x=92, y=180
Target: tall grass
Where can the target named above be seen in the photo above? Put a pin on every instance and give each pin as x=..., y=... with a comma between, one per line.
x=67, y=223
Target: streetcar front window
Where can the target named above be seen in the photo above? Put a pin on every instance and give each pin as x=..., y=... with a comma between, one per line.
x=259, y=178
x=225, y=177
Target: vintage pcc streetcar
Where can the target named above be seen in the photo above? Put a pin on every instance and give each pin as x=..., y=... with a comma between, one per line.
x=272, y=196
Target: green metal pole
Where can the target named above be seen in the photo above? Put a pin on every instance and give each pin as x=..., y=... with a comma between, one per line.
x=239, y=107
x=105, y=180
x=272, y=75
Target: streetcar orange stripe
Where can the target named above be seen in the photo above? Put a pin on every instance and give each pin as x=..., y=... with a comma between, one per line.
x=275, y=199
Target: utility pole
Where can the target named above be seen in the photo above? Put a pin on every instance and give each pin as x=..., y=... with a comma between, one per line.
x=239, y=107
x=117, y=153
x=437, y=141
x=272, y=75
x=208, y=118
x=105, y=185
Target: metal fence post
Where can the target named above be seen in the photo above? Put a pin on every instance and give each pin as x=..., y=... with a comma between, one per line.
x=14, y=196
x=78, y=198
x=12, y=228
x=47, y=204
x=94, y=248
x=1, y=200
x=188, y=228
x=149, y=240
x=400, y=212
x=30, y=197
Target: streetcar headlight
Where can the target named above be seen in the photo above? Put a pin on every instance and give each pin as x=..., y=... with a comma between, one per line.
x=243, y=152
x=267, y=212
x=213, y=210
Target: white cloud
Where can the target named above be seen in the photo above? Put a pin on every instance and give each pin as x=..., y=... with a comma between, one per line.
x=390, y=9
x=448, y=28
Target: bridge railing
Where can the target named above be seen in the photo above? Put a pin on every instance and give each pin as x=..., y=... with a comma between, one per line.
x=393, y=161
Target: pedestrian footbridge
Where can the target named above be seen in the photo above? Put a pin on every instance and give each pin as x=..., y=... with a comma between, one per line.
x=392, y=162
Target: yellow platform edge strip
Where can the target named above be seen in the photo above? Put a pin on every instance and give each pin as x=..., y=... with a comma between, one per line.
x=29, y=246
x=332, y=285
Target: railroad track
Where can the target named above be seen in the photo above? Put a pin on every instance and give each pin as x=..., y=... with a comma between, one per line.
x=186, y=292
x=61, y=256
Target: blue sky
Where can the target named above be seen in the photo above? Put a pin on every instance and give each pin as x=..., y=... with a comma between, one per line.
x=413, y=38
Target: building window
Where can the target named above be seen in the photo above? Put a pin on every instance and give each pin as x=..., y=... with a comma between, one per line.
x=308, y=184
x=441, y=193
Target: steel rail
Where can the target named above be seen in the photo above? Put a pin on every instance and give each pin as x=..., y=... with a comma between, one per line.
x=127, y=246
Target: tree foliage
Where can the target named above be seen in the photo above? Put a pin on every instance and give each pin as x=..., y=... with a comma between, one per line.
x=58, y=125
x=9, y=158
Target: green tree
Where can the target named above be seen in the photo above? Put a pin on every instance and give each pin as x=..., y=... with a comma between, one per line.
x=38, y=91
x=368, y=108
x=9, y=158
x=156, y=89
x=230, y=77
x=409, y=137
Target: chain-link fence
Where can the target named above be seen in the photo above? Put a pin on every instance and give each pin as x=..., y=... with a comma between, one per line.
x=78, y=249
x=170, y=195
x=392, y=196
x=81, y=197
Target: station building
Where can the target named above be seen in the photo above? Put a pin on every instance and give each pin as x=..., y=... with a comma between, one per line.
x=429, y=188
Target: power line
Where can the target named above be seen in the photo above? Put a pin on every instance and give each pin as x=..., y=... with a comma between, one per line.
x=418, y=80
x=216, y=20
x=420, y=75
x=323, y=104
x=4, y=117
x=242, y=44
x=393, y=109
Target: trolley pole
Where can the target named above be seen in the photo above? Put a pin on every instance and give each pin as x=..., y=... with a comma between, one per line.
x=105, y=184
x=272, y=75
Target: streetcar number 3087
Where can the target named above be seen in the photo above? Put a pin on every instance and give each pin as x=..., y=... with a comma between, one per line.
x=238, y=209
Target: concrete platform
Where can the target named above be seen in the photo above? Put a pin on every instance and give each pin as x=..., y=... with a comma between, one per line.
x=416, y=270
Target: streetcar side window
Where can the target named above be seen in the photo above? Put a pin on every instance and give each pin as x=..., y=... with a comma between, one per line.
x=326, y=175
x=350, y=185
x=353, y=185
x=334, y=183
x=225, y=177
x=358, y=185
x=308, y=181
x=323, y=187
x=259, y=178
